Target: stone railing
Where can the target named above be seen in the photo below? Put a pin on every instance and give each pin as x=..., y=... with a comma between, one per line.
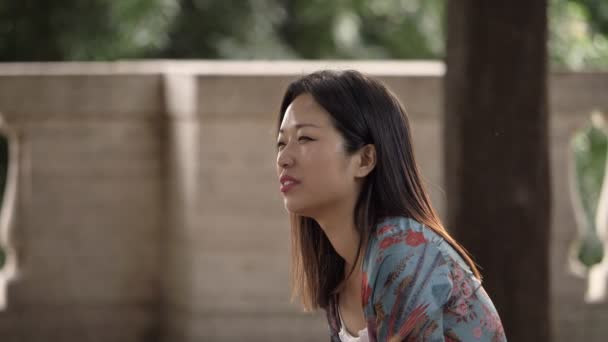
x=149, y=206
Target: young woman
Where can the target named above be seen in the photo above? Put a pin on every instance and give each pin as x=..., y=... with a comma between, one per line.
x=367, y=246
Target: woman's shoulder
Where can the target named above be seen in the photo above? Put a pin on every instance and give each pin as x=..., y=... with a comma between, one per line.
x=404, y=233
x=393, y=226
x=414, y=269
x=400, y=237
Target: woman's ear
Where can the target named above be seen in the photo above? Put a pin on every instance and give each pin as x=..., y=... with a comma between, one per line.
x=367, y=160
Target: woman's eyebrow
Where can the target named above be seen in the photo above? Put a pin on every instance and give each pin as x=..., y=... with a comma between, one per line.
x=298, y=126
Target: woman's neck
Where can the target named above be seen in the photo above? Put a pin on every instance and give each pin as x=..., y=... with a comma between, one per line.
x=339, y=227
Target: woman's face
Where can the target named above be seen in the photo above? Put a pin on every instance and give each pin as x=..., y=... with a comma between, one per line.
x=315, y=174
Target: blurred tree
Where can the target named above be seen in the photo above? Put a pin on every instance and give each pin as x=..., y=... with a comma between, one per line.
x=597, y=11
x=403, y=29
x=496, y=149
x=363, y=29
x=32, y=30
x=307, y=27
x=576, y=40
x=226, y=29
x=40, y=30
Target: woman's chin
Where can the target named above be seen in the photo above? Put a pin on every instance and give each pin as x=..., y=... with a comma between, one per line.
x=296, y=208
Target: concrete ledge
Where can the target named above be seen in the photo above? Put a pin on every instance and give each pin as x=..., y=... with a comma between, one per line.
x=224, y=68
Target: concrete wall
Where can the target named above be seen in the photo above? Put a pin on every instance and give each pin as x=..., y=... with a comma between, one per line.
x=116, y=246
x=88, y=230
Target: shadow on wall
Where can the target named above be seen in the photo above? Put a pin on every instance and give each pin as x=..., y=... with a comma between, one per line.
x=9, y=170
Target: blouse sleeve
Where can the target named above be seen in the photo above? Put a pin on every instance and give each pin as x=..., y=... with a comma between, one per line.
x=420, y=294
x=411, y=289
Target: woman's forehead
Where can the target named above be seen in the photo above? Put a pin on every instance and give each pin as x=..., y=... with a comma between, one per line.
x=304, y=111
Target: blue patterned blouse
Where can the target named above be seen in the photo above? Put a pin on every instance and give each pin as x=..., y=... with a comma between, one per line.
x=416, y=287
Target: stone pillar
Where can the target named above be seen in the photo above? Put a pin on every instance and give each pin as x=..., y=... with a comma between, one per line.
x=181, y=161
x=8, y=267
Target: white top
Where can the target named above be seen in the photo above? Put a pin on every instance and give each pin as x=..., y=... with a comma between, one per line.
x=345, y=336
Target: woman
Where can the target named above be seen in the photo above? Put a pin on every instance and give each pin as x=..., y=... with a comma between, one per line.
x=367, y=246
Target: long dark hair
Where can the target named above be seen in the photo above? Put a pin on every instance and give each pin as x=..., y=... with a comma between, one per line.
x=365, y=112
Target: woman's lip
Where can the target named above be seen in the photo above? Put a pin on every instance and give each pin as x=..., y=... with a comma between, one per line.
x=286, y=178
x=287, y=187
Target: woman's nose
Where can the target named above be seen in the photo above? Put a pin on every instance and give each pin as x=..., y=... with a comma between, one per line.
x=285, y=159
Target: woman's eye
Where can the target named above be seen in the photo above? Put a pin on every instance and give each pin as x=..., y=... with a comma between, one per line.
x=304, y=139
x=280, y=144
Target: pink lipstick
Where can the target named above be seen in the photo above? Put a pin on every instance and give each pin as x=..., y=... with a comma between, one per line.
x=287, y=183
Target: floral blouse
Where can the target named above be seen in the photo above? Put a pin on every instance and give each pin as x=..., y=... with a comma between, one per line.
x=416, y=287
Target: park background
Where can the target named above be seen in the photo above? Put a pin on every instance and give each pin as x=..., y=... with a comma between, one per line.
x=146, y=204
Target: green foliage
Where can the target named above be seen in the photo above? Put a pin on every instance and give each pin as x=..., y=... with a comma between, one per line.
x=268, y=29
x=310, y=32
x=574, y=44
x=226, y=29
x=590, y=148
x=404, y=29
x=40, y=30
x=363, y=29
x=597, y=11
